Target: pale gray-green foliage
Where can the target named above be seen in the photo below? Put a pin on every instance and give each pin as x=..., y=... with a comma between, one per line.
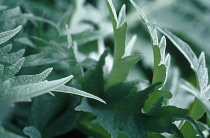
x=74, y=19
x=26, y=91
x=183, y=47
x=15, y=88
x=5, y=36
x=198, y=65
x=174, y=15
x=161, y=62
x=10, y=71
x=10, y=14
x=11, y=18
x=24, y=87
x=15, y=14
x=123, y=61
x=26, y=79
x=164, y=60
x=26, y=41
x=39, y=59
x=2, y=7
x=10, y=58
x=32, y=132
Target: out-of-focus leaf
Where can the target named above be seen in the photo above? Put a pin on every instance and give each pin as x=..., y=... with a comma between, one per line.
x=32, y=132
x=25, y=41
x=11, y=57
x=71, y=90
x=6, y=134
x=25, y=92
x=23, y=88
x=62, y=117
x=86, y=36
x=27, y=79
x=35, y=18
x=11, y=18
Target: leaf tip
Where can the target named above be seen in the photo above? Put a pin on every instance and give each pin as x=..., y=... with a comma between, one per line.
x=19, y=27
x=49, y=69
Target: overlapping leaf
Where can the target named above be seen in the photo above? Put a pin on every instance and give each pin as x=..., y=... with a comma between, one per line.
x=22, y=88
x=121, y=64
x=161, y=62
x=7, y=58
x=122, y=114
x=199, y=67
x=11, y=18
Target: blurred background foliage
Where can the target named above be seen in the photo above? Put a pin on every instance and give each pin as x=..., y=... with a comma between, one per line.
x=188, y=19
x=46, y=24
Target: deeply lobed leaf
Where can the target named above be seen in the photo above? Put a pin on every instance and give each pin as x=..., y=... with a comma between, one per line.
x=161, y=63
x=121, y=64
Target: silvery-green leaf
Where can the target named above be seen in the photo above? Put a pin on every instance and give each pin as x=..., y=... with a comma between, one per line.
x=113, y=13
x=3, y=7
x=12, y=70
x=11, y=58
x=202, y=73
x=129, y=46
x=25, y=92
x=25, y=41
x=6, y=134
x=9, y=14
x=5, y=36
x=199, y=66
x=27, y=79
x=71, y=90
x=5, y=49
x=32, y=132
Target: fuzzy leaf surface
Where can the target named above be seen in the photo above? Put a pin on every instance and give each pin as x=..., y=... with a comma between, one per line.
x=62, y=117
x=199, y=66
x=161, y=63
x=7, y=58
x=5, y=36
x=121, y=65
